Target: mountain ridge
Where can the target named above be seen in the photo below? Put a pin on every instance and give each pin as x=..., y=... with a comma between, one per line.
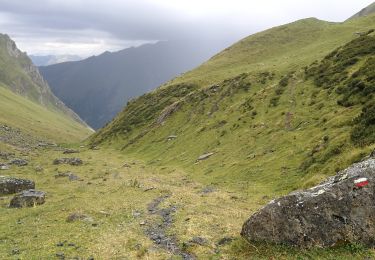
x=102, y=84
x=20, y=75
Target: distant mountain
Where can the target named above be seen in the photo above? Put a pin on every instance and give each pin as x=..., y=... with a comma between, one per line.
x=46, y=60
x=18, y=74
x=96, y=88
x=365, y=11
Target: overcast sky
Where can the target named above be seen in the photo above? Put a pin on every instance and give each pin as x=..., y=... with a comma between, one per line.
x=87, y=27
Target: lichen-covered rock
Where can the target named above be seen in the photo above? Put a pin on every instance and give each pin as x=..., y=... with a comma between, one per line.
x=28, y=198
x=340, y=210
x=9, y=185
x=69, y=151
x=19, y=162
x=71, y=161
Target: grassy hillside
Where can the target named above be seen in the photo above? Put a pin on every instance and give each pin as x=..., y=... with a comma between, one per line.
x=268, y=130
x=280, y=49
x=257, y=107
x=38, y=121
x=365, y=11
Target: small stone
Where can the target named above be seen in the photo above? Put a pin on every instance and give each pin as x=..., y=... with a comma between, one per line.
x=199, y=241
x=204, y=156
x=60, y=255
x=19, y=162
x=142, y=223
x=72, y=161
x=15, y=251
x=38, y=168
x=70, y=151
x=60, y=244
x=79, y=216
x=225, y=240
x=4, y=167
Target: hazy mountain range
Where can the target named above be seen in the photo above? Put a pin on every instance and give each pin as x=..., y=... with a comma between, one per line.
x=45, y=60
x=98, y=87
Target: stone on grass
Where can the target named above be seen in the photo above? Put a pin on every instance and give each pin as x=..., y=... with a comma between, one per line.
x=70, y=151
x=10, y=185
x=204, y=156
x=4, y=166
x=339, y=210
x=77, y=216
x=19, y=162
x=72, y=161
x=28, y=198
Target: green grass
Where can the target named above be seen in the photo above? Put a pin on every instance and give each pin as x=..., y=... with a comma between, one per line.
x=272, y=130
x=107, y=193
x=38, y=121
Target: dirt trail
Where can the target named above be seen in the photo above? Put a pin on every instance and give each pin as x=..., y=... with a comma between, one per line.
x=157, y=232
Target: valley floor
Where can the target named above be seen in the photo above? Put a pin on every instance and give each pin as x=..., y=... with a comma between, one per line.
x=123, y=208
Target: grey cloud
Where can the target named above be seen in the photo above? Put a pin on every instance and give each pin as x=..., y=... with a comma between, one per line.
x=218, y=23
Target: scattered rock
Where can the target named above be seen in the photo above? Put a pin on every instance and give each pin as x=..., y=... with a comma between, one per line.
x=142, y=223
x=204, y=156
x=70, y=175
x=171, y=137
x=339, y=210
x=28, y=198
x=4, y=166
x=70, y=151
x=15, y=251
x=9, y=185
x=60, y=255
x=5, y=155
x=198, y=241
x=206, y=190
x=76, y=216
x=38, y=168
x=225, y=241
x=167, y=112
x=72, y=161
x=104, y=213
x=126, y=165
x=19, y=162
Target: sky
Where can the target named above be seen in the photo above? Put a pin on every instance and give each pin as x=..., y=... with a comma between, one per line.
x=90, y=27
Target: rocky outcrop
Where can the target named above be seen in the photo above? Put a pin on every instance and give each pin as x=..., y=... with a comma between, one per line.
x=9, y=185
x=340, y=210
x=71, y=161
x=28, y=198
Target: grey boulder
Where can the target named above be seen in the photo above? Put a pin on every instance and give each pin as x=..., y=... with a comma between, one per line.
x=9, y=185
x=339, y=210
x=71, y=161
x=28, y=198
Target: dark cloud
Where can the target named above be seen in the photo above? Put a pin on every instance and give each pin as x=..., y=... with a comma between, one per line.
x=95, y=25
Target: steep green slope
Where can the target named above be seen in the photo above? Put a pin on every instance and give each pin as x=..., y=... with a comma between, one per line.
x=280, y=49
x=268, y=124
x=38, y=121
x=18, y=73
x=365, y=11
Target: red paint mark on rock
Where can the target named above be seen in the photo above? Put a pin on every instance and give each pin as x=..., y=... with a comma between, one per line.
x=361, y=182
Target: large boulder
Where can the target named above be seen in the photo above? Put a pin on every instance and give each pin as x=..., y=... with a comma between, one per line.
x=28, y=198
x=340, y=210
x=9, y=185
